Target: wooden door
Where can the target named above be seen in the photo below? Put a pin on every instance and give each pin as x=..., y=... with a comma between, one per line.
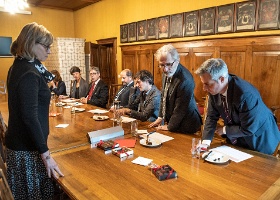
x=199, y=55
x=103, y=56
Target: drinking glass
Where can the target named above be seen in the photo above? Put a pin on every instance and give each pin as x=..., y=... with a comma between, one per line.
x=134, y=128
x=196, y=147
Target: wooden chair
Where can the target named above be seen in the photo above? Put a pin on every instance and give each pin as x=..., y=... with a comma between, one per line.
x=113, y=89
x=277, y=151
x=5, y=191
x=3, y=88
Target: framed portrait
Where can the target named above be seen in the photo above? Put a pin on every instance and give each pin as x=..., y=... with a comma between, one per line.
x=225, y=18
x=163, y=27
x=152, y=29
x=246, y=16
x=123, y=33
x=207, y=21
x=141, y=30
x=176, y=25
x=268, y=14
x=132, y=32
x=191, y=23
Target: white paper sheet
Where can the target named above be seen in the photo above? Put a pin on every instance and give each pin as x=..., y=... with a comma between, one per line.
x=62, y=125
x=98, y=111
x=234, y=154
x=142, y=161
x=159, y=137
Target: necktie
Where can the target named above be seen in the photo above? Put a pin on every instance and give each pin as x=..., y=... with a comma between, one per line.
x=224, y=103
x=167, y=84
x=91, y=91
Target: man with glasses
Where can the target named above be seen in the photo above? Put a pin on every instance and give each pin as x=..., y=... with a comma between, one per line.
x=247, y=120
x=98, y=93
x=178, y=111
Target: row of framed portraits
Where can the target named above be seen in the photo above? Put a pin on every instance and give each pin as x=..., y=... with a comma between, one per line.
x=243, y=16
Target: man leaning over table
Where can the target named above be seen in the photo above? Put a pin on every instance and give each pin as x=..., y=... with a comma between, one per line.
x=178, y=107
x=247, y=120
x=98, y=93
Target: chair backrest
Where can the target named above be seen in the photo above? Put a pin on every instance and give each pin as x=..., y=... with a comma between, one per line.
x=3, y=129
x=5, y=191
x=3, y=88
x=113, y=89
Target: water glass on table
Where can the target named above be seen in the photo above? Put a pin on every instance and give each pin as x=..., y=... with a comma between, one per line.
x=134, y=128
x=196, y=142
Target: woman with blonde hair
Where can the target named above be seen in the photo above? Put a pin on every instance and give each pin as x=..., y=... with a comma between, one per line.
x=29, y=163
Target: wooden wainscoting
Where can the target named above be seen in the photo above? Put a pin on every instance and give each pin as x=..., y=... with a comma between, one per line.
x=255, y=59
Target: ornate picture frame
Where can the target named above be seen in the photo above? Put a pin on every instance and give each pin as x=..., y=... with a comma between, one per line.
x=268, y=14
x=225, y=18
x=152, y=29
x=246, y=16
x=176, y=25
x=207, y=21
x=132, y=32
x=163, y=27
x=141, y=30
x=191, y=20
x=124, y=33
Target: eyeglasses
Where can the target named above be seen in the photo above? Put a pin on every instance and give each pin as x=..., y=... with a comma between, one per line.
x=45, y=46
x=93, y=73
x=169, y=65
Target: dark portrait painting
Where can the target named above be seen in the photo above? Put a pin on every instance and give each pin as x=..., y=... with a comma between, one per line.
x=268, y=14
x=163, y=27
x=132, y=32
x=176, y=25
x=207, y=21
x=123, y=32
x=152, y=29
x=245, y=16
x=225, y=16
x=191, y=23
x=141, y=30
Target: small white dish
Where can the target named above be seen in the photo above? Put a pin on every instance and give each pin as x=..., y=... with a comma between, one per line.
x=151, y=142
x=215, y=157
x=100, y=118
x=60, y=104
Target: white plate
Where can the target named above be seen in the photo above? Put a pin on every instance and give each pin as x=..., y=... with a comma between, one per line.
x=216, y=157
x=155, y=143
x=60, y=104
x=100, y=118
x=79, y=109
x=69, y=100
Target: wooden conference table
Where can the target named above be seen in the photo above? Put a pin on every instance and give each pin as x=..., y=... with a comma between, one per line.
x=90, y=174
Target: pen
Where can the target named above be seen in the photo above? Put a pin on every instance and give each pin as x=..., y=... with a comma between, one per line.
x=207, y=155
x=150, y=133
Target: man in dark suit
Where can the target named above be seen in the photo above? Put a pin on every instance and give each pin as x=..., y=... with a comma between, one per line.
x=148, y=100
x=247, y=120
x=123, y=93
x=178, y=106
x=98, y=93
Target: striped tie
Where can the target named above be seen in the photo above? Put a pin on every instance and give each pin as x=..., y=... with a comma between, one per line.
x=224, y=103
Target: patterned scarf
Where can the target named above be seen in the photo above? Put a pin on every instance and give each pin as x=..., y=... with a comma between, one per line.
x=43, y=70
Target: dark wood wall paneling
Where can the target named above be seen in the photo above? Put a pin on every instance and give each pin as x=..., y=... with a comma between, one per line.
x=255, y=59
